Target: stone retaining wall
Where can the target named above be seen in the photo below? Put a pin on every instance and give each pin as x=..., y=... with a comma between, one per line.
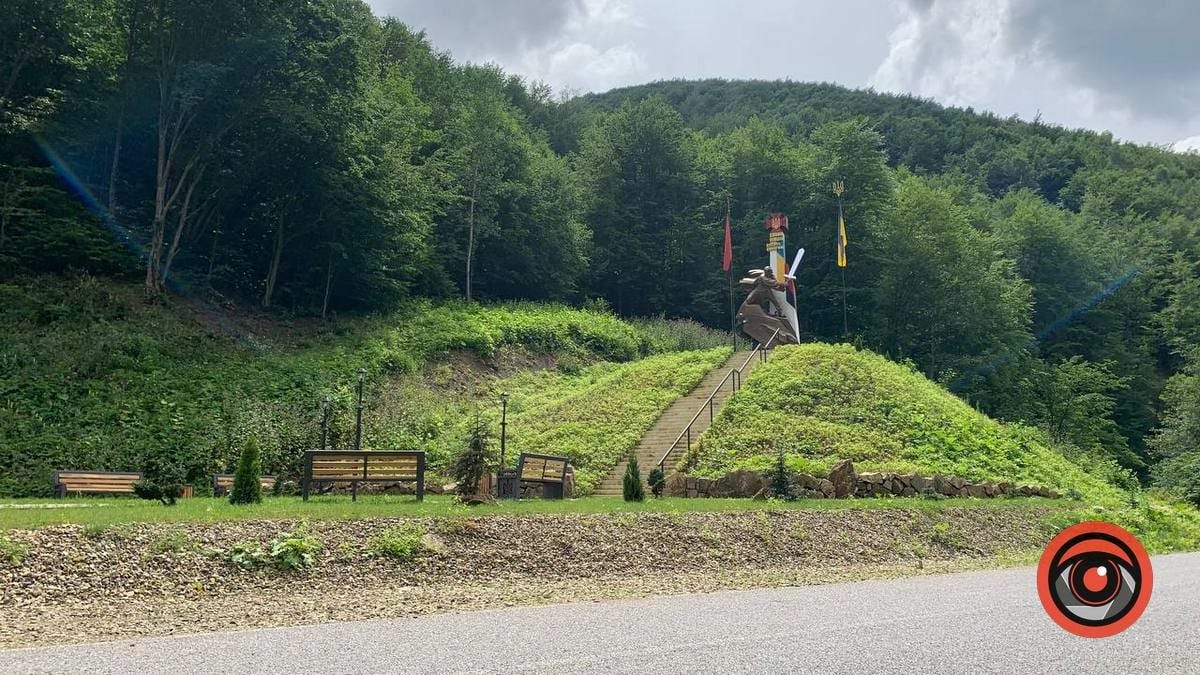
x=842, y=482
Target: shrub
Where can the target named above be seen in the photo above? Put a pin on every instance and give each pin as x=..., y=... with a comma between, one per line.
x=247, y=482
x=1181, y=476
x=162, y=478
x=632, y=486
x=403, y=543
x=658, y=481
x=781, y=482
x=166, y=493
x=247, y=555
x=294, y=550
x=171, y=542
x=12, y=551
x=474, y=461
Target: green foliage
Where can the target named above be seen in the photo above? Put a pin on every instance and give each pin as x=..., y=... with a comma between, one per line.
x=597, y=417
x=12, y=552
x=474, y=461
x=293, y=550
x=154, y=382
x=404, y=542
x=781, y=480
x=247, y=481
x=631, y=484
x=1181, y=475
x=657, y=481
x=174, y=541
x=824, y=403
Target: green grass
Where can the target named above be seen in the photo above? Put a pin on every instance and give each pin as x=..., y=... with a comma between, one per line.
x=116, y=511
x=823, y=403
x=95, y=376
x=598, y=417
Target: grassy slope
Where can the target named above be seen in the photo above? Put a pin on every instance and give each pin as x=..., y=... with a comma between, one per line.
x=93, y=376
x=598, y=417
x=822, y=403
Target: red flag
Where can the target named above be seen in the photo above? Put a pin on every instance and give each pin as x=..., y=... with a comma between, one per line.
x=727, y=260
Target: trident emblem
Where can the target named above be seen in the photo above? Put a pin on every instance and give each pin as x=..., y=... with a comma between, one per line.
x=838, y=188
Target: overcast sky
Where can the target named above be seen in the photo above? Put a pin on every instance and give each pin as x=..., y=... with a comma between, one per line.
x=1131, y=67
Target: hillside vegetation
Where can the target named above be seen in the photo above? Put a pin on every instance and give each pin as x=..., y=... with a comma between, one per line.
x=315, y=160
x=96, y=377
x=823, y=403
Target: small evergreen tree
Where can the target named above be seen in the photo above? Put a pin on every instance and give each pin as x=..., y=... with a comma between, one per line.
x=658, y=481
x=162, y=478
x=247, y=482
x=781, y=482
x=471, y=464
x=633, y=488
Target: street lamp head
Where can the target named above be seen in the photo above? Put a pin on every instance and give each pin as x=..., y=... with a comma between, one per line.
x=504, y=396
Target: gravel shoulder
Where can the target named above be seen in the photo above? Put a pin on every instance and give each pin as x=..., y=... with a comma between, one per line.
x=77, y=586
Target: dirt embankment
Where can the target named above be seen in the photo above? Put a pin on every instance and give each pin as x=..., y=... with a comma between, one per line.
x=75, y=585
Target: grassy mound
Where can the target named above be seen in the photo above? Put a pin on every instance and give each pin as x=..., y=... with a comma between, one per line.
x=823, y=403
x=598, y=417
x=95, y=376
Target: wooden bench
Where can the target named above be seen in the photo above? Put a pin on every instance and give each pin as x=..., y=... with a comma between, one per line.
x=364, y=466
x=549, y=470
x=95, y=482
x=223, y=483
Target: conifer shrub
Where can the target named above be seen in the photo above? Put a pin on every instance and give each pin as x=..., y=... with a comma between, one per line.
x=658, y=481
x=781, y=480
x=474, y=461
x=247, y=481
x=632, y=486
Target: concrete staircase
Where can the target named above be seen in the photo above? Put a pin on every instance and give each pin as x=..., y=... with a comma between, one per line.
x=674, y=420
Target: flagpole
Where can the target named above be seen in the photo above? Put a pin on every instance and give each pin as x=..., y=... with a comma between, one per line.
x=729, y=276
x=838, y=188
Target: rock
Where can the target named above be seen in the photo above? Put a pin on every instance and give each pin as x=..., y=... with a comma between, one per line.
x=920, y=483
x=843, y=478
x=762, y=495
x=871, y=477
x=907, y=491
x=943, y=486
x=977, y=491
x=957, y=482
x=690, y=483
x=482, y=498
x=826, y=488
x=676, y=485
x=569, y=482
x=740, y=483
x=803, y=481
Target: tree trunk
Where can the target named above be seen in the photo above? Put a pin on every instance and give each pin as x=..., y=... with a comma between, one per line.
x=180, y=227
x=471, y=230
x=273, y=273
x=328, y=284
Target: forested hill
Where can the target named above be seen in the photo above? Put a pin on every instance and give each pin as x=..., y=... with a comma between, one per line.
x=920, y=134
x=316, y=160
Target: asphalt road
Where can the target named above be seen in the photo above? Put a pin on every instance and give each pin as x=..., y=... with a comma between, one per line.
x=962, y=623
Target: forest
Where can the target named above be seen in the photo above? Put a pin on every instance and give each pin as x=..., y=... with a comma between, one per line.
x=313, y=160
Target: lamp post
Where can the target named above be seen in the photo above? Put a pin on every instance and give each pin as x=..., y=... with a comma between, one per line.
x=358, y=411
x=503, y=427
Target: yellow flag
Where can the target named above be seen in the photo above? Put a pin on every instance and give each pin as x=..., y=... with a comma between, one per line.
x=841, y=243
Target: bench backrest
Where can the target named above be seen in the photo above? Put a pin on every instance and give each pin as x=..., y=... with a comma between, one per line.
x=96, y=481
x=370, y=465
x=224, y=481
x=541, y=468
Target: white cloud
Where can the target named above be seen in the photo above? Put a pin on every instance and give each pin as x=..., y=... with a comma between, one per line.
x=1189, y=144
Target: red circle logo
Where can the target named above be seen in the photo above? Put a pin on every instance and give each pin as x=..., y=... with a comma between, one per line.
x=1094, y=579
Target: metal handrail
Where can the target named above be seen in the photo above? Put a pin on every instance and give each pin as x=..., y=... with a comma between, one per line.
x=736, y=374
